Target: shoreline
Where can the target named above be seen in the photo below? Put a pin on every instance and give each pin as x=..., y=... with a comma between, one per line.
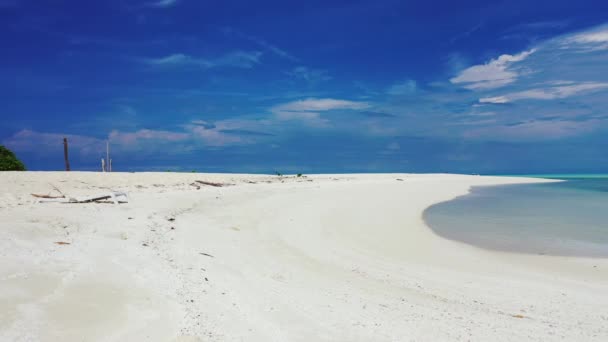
x=321, y=257
x=487, y=228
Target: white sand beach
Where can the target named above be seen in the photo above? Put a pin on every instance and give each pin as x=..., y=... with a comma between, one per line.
x=314, y=258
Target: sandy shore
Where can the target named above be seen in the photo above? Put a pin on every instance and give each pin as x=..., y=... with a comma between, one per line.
x=318, y=258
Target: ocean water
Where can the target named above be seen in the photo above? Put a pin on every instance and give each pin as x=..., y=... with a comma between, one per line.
x=565, y=218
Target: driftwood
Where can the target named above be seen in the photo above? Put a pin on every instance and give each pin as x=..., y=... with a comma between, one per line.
x=211, y=183
x=218, y=185
x=115, y=197
x=62, y=195
x=94, y=199
x=47, y=196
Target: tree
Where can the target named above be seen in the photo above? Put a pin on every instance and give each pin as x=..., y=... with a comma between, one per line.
x=8, y=161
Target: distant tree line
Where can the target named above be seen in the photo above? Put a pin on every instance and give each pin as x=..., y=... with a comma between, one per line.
x=8, y=161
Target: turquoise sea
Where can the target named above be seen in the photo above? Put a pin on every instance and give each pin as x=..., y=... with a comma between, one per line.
x=564, y=218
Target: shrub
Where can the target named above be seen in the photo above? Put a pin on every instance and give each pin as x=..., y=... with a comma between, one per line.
x=8, y=161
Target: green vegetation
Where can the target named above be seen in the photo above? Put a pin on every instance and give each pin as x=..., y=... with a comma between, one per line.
x=8, y=161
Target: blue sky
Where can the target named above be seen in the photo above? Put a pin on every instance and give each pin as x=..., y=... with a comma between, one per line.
x=315, y=86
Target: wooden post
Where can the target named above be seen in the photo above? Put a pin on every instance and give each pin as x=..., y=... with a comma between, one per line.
x=109, y=166
x=65, y=154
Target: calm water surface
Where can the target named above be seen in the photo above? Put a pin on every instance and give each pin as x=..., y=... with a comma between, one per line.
x=565, y=218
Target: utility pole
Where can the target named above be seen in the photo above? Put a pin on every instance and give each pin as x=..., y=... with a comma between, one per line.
x=65, y=154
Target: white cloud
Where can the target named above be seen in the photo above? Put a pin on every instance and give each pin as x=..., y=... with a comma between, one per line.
x=403, y=88
x=597, y=36
x=190, y=136
x=237, y=59
x=494, y=74
x=178, y=59
x=559, y=82
x=226, y=132
x=312, y=119
x=203, y=123
x=140, y=141
x=127, y=138
x=495, y=99
x=261, y=43
x=241, y=59
x=541, y=25
x=163, y=3
x=314, y=104
x=486, y=113
x=571, y=66
x=195, y=133
x=308, y=110
x=590, y=40
x=310, y=116
x=550, y=93
x=32, y=141
x=394, y=146
x=533, y=130
x=309, y=75
x=213, y=137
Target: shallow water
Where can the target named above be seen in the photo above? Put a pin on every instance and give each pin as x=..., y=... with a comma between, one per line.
x=565, y=218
